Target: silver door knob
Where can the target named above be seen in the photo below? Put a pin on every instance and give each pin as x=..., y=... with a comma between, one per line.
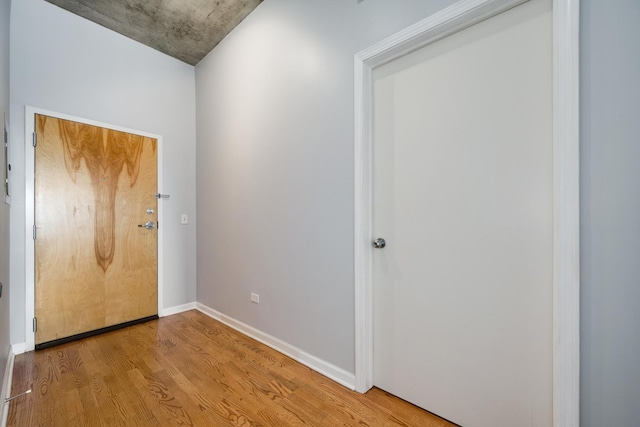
x=379, y=243
x=149, y=225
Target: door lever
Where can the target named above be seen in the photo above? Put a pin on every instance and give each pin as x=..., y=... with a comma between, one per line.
x=149, y=225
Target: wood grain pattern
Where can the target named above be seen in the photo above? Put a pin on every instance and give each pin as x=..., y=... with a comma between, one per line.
x=189, y=370
x=94, y=266
x=103, y=154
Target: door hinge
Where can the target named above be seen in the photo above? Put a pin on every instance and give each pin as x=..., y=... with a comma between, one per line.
x=35, y=324
x=35, y=140
x=34, y=232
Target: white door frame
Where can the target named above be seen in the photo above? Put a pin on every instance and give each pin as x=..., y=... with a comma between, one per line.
x=566, y=248
x=29, y=129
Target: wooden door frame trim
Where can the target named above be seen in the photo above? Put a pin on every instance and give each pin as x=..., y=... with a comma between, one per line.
x=566, y=237
x=29, y=129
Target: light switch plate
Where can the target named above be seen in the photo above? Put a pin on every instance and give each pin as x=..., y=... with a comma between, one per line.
x=184, y=219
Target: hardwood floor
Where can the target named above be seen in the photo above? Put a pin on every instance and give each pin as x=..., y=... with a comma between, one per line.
x=189, y=370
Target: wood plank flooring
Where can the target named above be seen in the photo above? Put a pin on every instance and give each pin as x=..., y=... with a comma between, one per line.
x=189, y=370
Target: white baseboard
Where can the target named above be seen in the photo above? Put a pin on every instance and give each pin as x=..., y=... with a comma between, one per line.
x=6, y=388
x=177, y=309
x=19, y=348
x=330, y=371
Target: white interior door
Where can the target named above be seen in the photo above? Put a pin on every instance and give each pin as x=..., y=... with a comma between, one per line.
x=463, y=197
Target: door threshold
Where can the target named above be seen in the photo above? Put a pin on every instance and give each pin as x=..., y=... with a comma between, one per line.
x=83, y=335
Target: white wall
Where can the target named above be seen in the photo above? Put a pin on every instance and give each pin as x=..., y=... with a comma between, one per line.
x=5, y=6
x=610, y=213
x=275, y=167
x=63, y=63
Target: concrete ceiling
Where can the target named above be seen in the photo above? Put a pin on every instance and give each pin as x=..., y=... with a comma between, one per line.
x=184, y=29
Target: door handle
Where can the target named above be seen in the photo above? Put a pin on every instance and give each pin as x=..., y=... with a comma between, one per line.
x=379, y=243
x=149, y=225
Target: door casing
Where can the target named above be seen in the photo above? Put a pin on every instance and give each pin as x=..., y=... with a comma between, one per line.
x=30, y=113
x=566, y=247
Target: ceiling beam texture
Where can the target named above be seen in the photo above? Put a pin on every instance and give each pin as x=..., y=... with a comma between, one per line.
x=184, y=29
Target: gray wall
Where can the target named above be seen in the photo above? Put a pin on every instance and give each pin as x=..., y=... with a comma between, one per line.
x=66, y=64
x=5, y=6
x=275, y=167
x=610, y=127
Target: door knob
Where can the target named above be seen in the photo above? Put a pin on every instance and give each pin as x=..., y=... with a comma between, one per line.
x=149, y=225
x=379, y=243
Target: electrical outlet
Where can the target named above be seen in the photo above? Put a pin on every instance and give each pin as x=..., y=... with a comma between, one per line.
x=255, y=298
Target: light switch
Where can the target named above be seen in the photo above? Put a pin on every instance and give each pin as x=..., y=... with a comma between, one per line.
x=184, y=219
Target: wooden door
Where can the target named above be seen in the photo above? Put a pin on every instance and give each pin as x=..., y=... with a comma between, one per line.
x=463, y=196
x=95, y=266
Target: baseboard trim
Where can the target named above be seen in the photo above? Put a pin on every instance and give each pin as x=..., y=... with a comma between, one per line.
x=177, y=309
x=339, y=375
x=6, y=387
x=19, y=348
